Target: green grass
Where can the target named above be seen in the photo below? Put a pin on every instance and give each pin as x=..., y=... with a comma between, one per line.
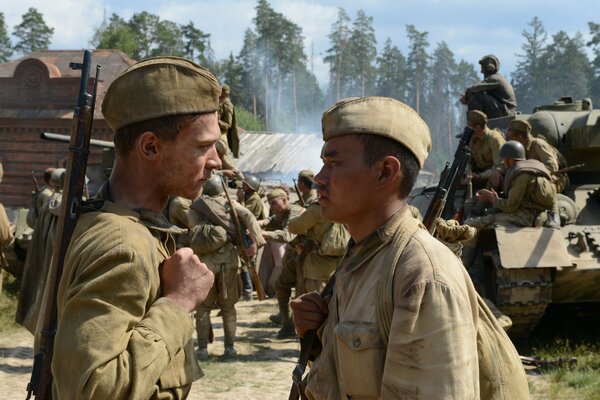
x=8, y=303
x=565, y=332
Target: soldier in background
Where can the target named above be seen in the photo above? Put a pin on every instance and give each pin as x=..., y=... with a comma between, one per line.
x=213, y=237
x=248, y=196
x=494, y=95
x=39, y=198
x=537, y=148
x=277, y=235
x=6, y=234
x=39, y=255
x=228, y=123
x=485, y=145
x=306, y=180
x=317, y=251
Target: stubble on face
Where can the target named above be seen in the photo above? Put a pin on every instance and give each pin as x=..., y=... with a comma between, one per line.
x=188, y=160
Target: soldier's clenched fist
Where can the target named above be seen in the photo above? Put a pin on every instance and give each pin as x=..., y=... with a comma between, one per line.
x=185, y=279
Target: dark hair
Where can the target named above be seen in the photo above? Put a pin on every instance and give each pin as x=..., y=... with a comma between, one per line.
x=166, y=128
x=378, y=147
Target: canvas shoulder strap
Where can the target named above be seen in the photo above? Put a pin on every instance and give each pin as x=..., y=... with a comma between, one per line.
x=385, y=300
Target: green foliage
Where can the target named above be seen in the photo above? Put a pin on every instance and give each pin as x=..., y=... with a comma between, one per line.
x=391, y=73
x=146, y=35
x=364, y=51
x=6, y=50
x=247, y=121
x=594, y=43
x=8, y=302
x=32, y=33
x=116, y=34
x=418, y=60
x=339, y=56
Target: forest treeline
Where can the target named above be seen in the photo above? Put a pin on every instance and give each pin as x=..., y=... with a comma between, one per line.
x=274, y=87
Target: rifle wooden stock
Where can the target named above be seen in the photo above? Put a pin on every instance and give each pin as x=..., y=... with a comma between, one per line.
x=442, y=202
x=36, y=187
x=568, y=169
x=300, y=198
x=83, y=115
x=307, y=344
x=260, y=291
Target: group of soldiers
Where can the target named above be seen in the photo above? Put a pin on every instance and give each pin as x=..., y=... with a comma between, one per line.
x=403, y=319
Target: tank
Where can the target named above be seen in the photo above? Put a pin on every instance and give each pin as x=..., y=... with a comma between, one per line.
x=523, y=270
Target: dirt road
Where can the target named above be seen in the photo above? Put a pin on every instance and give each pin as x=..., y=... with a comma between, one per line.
x=262, y=369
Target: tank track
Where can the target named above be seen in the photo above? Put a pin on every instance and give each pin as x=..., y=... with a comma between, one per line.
x=522, y=294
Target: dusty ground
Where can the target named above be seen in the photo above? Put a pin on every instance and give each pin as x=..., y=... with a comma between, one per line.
x=262, y=370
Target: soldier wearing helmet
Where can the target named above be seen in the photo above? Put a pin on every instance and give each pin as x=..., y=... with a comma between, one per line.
x=494, y=95
x=529, y=192
x=251, y=199
x=213, y=236
x=538, y=148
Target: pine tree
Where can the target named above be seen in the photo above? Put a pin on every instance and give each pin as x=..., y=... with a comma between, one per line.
x=530, y=77
x=168, y=39
x=339, y=55
x=568, y=68
x=116, y=34
x=32, y=32
x=364, y=51
x=594, y=43
x=418, y=60
x=144, y=25
x=195, y=43
x=391, y=73
x=6, y=50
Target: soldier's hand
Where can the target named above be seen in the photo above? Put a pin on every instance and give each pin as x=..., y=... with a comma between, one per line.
x=185, y=279
x=267, y=235
x=310, y=311
x=252, y=250
x=463, y=99
x=495, y=178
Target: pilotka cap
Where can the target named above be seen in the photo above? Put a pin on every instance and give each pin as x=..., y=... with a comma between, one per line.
x=275, y=193
x=477, y=117
x=520, y=125
x=160, y=87
x=381, y=116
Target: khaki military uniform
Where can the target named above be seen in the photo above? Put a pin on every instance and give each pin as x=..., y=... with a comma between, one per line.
x=37, y=263
x=177, y=210
x=37, y=202
x=527, y=198
x=121, y=339
x=6, y=236
x=310, y=197
x=212, y=237
x=539, y=149
x=269, y=271
x=494, y=96
x=228, y=125
x=485, y=153
x=432, y=348
x=254, y=203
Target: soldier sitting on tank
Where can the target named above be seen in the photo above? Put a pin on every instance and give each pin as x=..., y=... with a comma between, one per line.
x=494, y=95
x=537, y=148
x=528, y=188
x=485, y=146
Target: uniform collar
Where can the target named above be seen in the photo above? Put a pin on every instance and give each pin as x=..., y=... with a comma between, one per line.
x=150, y=219
x=358, y=254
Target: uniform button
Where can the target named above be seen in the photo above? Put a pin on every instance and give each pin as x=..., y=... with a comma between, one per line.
x=356, y=343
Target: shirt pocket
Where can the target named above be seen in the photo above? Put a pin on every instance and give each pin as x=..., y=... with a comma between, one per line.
x=360, y=356
x=182, y=370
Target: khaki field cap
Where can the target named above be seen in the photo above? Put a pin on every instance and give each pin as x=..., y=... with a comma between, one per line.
x=381, y=116
x=477, y=117
x=306, y=174
x=275, y=193
x=160, y=87
x=520, y=125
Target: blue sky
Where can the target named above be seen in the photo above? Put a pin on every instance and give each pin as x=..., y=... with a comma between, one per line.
x=470, y=28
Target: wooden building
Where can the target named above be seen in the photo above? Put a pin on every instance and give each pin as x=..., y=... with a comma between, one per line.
x=38, y=94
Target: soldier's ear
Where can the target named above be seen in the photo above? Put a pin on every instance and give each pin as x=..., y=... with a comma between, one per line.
x=147, y=145
x=389, y=170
